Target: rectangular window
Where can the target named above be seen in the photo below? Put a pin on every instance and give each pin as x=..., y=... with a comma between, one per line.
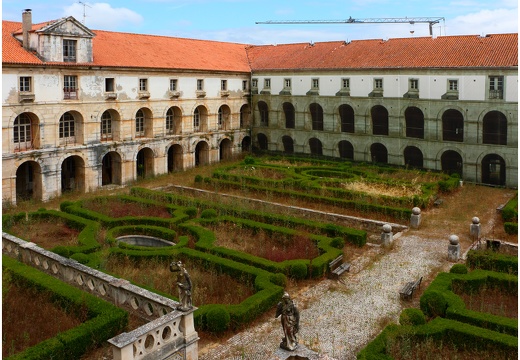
x=414, y=84
x=143, y=84
x=254, y=83
x=223, y=85
x=453, y=85
x=287, y=83
x=315, y=84
x=25, y=84
x=267, y=83
x=200, y=84
x=110, y=85
x=496, y=87
x=70, y=87
x=69, y=50
x=378, y=84
x=345, y=83
x=173, y=84
x=244, y=85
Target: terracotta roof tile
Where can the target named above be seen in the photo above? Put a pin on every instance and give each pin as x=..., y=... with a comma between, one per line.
x=115, y=49
x=500, y=50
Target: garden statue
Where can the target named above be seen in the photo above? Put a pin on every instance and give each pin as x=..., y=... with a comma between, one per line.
x=290, y=322
x=183, y=284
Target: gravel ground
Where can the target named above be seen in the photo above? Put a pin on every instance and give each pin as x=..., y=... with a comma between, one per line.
x=338, y=318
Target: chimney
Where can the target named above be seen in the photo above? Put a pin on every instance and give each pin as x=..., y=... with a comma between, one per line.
x=26, y=27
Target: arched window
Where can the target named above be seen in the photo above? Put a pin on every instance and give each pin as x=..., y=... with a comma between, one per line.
x=288, y=110
x=493, y=170
x=346, y=114
x=414, y=118
x=451, y=162
x=346, y=150
x=139, y=123
x=196, y=120
x=22, y=136
x=413, y=157
x=379, y=153
x=264, y=113
x=288, y=144
x=317, y=116
x=494, y=128
x=262, y=141
x=67, y=130
x=379, y=116
x=106, y=126
x=452, y=126
x=315, y=146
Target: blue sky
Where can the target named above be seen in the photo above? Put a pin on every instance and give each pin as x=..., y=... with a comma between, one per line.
x=234, y=20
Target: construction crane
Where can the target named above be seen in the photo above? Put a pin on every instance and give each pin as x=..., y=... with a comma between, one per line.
x=403, y=20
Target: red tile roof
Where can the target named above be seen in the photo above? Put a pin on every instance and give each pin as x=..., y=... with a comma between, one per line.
x=115, y=49
x=500, y=50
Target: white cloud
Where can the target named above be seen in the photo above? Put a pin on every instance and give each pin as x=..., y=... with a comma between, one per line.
x=484, y=22
x=103, y=16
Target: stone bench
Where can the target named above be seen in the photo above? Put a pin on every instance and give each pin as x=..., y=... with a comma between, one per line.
x=407, y=290
x=338, y=267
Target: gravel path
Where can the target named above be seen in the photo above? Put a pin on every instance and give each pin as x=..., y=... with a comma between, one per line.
x=338, y=318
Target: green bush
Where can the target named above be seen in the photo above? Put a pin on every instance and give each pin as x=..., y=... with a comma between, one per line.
x=208, y=214
x=217, y=319
x=337, y=243
x=279, y=279
x=298, y=270
x=489, y=260
x=191, y=211
x=433, y=303
x=198, y=178
x=81, y=258
x=510, y=210
x=459, y=269
x=511, y=228
x=249, y=160
x=412, y=316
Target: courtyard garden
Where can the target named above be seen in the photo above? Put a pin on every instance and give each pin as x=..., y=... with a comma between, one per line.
x=233, y=244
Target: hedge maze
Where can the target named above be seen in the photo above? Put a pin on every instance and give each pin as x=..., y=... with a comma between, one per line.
x=450, y=323
x=190, y=219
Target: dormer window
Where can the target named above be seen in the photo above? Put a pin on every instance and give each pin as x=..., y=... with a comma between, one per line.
x=69, y=50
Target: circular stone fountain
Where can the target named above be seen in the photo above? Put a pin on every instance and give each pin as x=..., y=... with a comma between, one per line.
x=144, y=240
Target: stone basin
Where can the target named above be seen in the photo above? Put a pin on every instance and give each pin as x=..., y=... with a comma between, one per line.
x=144, y=240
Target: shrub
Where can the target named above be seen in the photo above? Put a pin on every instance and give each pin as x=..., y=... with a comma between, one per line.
x=249, y=160
x=218, y=319
x=208, y=214
x=81, y=258
x=412, y=316
x=510, y=210
x=459, y=269
x=298, y=270
x=191, y=211
x=279, y=279
x=198, y=178
x=433, y=303
x=511, y=228
x=61, y=250
x=337, y=243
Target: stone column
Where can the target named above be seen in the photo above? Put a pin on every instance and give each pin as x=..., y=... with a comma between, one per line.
x=474, y=228
x=386, y=235
x=415, y=219
x=454, y=248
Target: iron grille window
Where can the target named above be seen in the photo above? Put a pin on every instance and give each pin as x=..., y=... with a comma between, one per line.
x=496, y=87
x=200, y=84
x=70, y=87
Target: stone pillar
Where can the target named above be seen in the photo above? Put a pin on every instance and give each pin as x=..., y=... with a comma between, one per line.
x=474, y=228
x=387, y=235
x=454, y=248
x=415, y=219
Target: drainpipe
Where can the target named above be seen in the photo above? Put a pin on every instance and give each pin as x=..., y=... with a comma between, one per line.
x=26, y=27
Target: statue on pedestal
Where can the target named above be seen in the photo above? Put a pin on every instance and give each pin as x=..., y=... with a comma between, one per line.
x=183, y=284
x=290, y=317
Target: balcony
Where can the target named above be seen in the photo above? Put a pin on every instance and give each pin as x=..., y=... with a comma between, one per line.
x=496, y=94
x=110, y=96
x=70, y=94
x=25, y=97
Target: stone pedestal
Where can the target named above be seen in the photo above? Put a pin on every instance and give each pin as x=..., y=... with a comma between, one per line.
x=415, y=219
x=300, y=353
x=386, y=235
x=454, y=249
x=474, y=228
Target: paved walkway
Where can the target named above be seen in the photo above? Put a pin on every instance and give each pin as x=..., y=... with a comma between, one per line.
x=338, y=318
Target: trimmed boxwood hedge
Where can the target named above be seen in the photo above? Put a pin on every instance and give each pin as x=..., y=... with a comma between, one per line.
x=489, y=260
x=105, y=320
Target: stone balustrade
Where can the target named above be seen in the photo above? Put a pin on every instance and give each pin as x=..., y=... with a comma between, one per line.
x=171, y=330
